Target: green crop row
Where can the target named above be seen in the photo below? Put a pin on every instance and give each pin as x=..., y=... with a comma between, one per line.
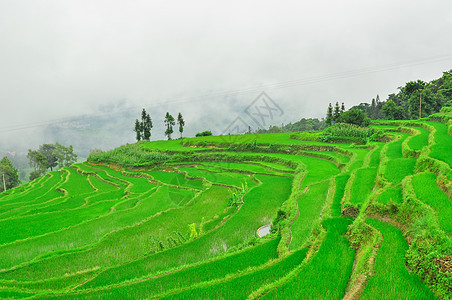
x=310, y=205
x=327, y=274
x=240, y=285
x=429, y=244
x=427, y=191
x=443, y=144
x=233, y=232
x=180, y=278
x=397, y=283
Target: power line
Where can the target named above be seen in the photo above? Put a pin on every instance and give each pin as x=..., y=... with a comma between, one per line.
x=257, y=88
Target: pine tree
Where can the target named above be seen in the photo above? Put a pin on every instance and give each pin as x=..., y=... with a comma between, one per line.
x=329, y=115
x=342, y=108
x=143, y=128
x=378, y=113
x=337, y=113
x=138, y=130
x=147, y=126
x=181, y=123
x=169, y=123
x=373, y=109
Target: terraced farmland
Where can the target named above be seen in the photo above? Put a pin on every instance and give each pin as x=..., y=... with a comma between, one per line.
x=349, y=221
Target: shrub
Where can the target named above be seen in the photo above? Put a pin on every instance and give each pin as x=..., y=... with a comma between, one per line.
x=278, y=223
x=355, y=116
x=440, y=117
x=446, y=109
x=204, y=133
x=348, y=133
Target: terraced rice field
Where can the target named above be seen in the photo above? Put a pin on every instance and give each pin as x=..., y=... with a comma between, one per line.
x=392, y=280
x=186, y=228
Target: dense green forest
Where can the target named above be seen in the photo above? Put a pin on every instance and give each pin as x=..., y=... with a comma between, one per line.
x=413, y=100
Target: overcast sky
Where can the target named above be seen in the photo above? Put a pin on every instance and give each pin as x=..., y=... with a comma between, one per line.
x=61, y=59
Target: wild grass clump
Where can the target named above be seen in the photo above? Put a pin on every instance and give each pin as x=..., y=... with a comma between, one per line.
x=350, y=133
x=129, y=156
x=442, y=117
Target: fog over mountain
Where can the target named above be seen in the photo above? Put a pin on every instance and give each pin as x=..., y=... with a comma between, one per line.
x=79, y=72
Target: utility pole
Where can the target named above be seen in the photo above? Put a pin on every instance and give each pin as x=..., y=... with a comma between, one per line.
x=420, y=104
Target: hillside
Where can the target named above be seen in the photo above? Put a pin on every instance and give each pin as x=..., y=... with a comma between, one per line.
x=354, y=213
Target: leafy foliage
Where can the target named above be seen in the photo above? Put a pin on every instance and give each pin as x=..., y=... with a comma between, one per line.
x=169, y=123
x=38, y=162
x=143, y=127
x=181, y=123
x=237, y=195
x=301, y=125
x=204, y=133
x=343, y=132
x=65, y=155
x=356, y=117
x=9, y=176
x=129, y=156
x=49, y=151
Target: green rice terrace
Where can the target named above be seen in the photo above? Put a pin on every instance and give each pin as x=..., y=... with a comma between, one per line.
x=352, y=213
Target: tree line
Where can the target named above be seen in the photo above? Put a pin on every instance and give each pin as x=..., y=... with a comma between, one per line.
x=351, y=116
x=144, y=126
x=301, y=125
x=416, y=99
x=49, y=156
